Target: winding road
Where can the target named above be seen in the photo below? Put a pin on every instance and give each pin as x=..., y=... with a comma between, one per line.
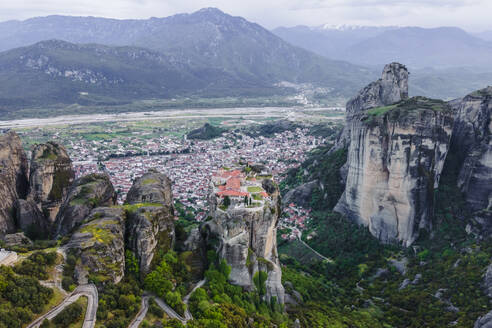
x=90, y=291
x=314, y=251
x=56, y=282
x=187, y=314
x=142, y=313
x=137, y=321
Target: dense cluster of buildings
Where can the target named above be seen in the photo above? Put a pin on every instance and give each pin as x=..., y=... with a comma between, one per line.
x=294, y=219
x=190, y=164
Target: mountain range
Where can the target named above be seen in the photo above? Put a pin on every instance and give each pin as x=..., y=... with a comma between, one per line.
x=205, y=53
x=417, y=47
x=88, y=61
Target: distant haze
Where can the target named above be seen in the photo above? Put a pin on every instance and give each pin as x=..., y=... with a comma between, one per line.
x=472, y=15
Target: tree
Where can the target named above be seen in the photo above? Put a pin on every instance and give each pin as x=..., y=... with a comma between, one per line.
x=259, y=278
x=131, y=264
x=224, y=268
x=46, y=324
x=227, y=201
x=69, y=315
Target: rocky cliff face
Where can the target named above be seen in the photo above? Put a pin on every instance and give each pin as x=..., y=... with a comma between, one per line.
x=50, y=177
x=486, y=320
x=152, y=187
x=301, y=195
x=389, y=89
x=86, y=193
x=13, y=179
x=99, y=246
x=246, y=238
x=472, y=143
x=30, y=219
x=150, y=226
x=395, y=158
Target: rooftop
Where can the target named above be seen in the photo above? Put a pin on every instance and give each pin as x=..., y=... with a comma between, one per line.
x=242, y=186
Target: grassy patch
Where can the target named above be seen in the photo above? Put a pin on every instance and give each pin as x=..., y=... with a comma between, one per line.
x=99, y=232
x=254, y=204
x=415, y=103
x=257, y=197
x=149, y=181
x=132, y=208
x=255, y=189
x=380, y=110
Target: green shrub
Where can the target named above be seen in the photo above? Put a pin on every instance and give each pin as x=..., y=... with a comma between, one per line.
x=69, y=315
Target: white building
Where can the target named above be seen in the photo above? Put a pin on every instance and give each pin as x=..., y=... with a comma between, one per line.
x=7, y=257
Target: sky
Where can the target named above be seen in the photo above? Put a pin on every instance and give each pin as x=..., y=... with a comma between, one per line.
x=472, y=15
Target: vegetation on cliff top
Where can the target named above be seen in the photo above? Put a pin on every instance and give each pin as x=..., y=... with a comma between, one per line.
x=408, y=105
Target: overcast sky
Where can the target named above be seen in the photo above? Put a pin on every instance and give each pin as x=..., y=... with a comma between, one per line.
x=473, y=15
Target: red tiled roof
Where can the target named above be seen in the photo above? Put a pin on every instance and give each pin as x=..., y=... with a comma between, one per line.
x=232, y=193
x=228, y=174
x=264, y=194
x=233, y=183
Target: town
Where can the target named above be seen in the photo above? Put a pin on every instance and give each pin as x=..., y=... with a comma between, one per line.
x=190, y=164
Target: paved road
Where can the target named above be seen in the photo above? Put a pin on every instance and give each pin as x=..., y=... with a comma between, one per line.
x=169, y=311
x=141, y=314
x=315, y=252
x=90, y=291
x=137, y=321
x=298, y=234
x=57, y=279
x=187, y=314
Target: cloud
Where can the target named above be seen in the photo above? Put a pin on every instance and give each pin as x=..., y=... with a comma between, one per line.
x=470, y=14
x=323, y=4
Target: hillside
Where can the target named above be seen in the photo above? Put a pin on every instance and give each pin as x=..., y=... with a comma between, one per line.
x=60, y=72
x=445, y=62
x=328, y=41
x=207, y=53
x=485, y=35
x=418, y=47
x=205, y=132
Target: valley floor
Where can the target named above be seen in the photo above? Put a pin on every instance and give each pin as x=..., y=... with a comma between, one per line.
x=243, y=113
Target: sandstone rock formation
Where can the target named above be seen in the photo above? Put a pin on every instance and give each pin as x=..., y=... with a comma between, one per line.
x=391, y=88
x=150, y=228
x=301, y=195
x=472, y=143
x=152, y=187
x=245, y=236
x=86, y=193
x=486, y=320
x=13, y=179
x=30, y=219
x=50, y=177
x=16, y=239
x=196, y=248
x=99, y=246
x=395, y=158
x=150, y=224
